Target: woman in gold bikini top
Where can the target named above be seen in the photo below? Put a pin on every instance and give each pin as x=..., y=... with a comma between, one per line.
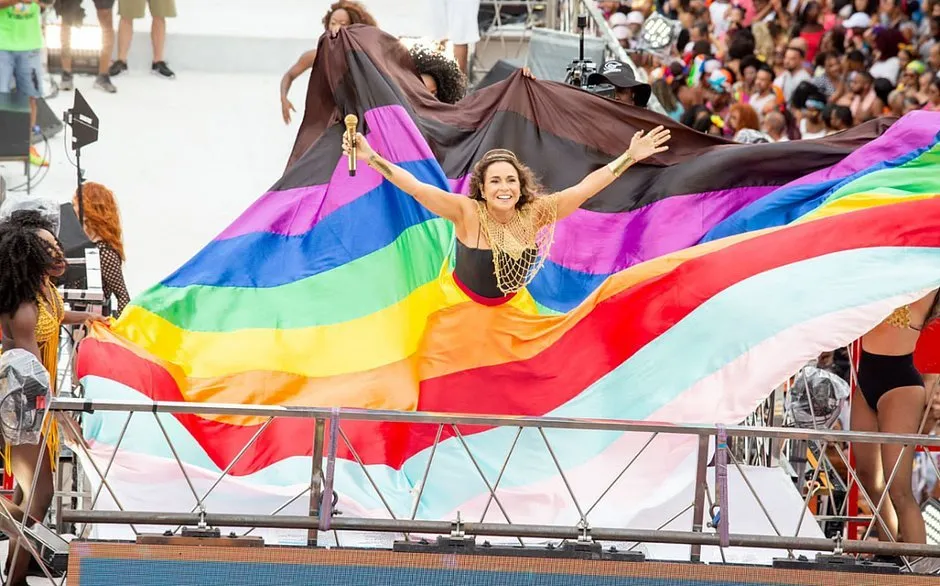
x=31, y=313
x=892, y=399
x=902, y=317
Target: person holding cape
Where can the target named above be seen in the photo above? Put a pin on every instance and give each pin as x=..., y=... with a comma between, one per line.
x=505, y=228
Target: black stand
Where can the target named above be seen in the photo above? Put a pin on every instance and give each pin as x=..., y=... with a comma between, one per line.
x=80, y=178
x=579, y=70
x=84, y=124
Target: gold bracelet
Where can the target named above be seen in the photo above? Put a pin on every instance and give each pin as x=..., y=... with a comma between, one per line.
x=380, y=165
x=620, y=164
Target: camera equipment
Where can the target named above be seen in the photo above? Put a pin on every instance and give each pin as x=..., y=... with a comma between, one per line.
x=581, y=69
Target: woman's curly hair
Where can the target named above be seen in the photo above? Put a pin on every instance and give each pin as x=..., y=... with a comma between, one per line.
x=101, y=215
x=356, y=11
x=451, y=82
x=529, y=187
x=25, y=259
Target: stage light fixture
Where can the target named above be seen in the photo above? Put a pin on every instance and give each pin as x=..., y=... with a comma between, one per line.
x=86, y=48
x=659, y=33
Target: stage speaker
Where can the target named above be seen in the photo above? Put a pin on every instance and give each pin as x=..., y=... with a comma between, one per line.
x=50, y=123
x=15, y=134
x=14, y=126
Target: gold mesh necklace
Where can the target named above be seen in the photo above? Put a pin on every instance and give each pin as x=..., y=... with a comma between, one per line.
x=520, y=245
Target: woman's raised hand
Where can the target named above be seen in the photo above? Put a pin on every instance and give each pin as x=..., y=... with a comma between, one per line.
x=646, y=145
x=363, y=150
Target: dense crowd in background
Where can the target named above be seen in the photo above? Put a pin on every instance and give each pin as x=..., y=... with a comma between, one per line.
x=777, y=70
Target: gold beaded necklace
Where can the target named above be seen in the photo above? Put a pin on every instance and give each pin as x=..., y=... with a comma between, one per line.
x=520, y=245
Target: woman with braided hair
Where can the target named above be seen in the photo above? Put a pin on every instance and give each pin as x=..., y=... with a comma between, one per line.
x=31, y=312
x=505, y=228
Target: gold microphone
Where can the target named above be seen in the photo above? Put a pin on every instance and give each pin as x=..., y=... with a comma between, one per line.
x=351, y=123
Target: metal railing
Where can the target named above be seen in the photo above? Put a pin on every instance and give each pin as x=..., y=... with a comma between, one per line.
x=325, y=447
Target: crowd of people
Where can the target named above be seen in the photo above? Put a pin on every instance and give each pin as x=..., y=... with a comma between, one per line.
x=775, y=70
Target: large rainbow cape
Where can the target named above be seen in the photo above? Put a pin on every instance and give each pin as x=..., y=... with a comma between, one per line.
x=684, y=292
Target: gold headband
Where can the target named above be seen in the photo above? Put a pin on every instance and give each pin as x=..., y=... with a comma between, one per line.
x=499, y=155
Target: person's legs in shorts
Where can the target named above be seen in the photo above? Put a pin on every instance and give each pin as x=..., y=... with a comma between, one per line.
x=128, y=10
x=160, y=10
x=71, y=14
x=105, y=9
x=6, y=72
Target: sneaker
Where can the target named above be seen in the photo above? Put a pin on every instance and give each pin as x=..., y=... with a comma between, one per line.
x=66, y=85
x=103, y=82
x=36, y=159
x=160, y=68
x=117, y=67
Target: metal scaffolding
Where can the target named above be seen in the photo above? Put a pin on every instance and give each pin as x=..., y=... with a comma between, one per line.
x=329, y=437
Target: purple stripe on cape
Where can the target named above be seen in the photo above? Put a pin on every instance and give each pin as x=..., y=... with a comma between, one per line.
x=293, y=212
x=915, y=131
x=608, y=243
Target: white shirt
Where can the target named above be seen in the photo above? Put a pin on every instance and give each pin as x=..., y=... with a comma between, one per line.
x=888, y=69
x=760, y=102
x=807, y=135
x=787, y=81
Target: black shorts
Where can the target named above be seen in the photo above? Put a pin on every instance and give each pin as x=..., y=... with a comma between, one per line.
x=879, y=374
x=72, y=13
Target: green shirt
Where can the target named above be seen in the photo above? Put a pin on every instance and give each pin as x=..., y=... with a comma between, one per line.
x=21, y=27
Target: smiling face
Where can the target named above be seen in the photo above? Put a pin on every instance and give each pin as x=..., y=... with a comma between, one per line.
x=501, y=186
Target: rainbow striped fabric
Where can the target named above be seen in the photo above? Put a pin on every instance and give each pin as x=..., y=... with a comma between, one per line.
x=684, y=292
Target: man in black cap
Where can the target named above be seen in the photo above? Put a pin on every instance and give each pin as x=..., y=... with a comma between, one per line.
x=620, y=75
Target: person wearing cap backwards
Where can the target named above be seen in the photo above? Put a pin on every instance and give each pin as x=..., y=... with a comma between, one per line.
x=621, y=76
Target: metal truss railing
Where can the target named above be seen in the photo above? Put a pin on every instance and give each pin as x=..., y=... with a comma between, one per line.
x=713, y=449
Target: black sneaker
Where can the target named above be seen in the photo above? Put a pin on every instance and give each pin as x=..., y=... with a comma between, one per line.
x=160, y=68
x=66, y=85
x=117, y=67
x=103, y=82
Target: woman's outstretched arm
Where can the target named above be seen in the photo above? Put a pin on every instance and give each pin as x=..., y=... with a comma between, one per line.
x=641, y=147
x=436, y=200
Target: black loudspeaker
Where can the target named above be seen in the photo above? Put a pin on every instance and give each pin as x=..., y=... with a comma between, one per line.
x=15, y=134
x=14, y=126
x=49, y=123
x=500, y=71
x=74, y=242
